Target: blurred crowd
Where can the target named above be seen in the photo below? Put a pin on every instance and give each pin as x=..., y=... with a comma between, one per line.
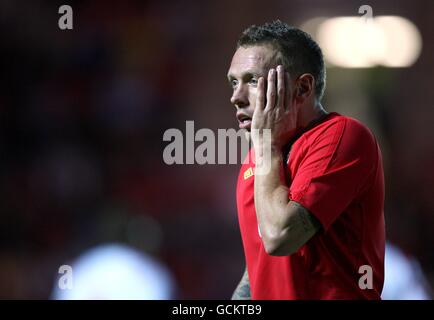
x=83, y=113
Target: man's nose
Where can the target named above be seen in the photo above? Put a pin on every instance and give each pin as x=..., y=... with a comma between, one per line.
x=240, y=97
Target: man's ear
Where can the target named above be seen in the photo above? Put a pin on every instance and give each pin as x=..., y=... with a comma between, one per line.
x=304, y=87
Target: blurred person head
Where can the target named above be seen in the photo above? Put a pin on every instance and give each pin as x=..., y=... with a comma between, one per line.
x=260, y=48
x=116, y=272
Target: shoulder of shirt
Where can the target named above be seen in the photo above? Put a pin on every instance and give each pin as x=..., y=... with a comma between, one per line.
x=350, y=129
x=350, y=124
x=358, y=129
x=356, y=136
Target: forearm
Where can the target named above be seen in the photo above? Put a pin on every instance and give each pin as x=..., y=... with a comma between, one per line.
x=271, y=196
x=284, y=225
x=242, y=292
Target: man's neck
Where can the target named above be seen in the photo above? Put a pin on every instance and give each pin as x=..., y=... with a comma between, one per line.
x=311, y=115
x=308, y=119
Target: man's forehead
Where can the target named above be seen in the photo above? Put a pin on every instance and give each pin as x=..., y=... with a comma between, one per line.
x=252, y=57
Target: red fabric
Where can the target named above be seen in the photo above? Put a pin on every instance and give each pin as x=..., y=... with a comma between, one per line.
x=335, y=171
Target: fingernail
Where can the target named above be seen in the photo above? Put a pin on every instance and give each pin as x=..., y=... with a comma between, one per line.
x=279, y=68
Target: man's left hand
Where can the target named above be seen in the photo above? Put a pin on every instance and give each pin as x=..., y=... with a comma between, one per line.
x=279, y=112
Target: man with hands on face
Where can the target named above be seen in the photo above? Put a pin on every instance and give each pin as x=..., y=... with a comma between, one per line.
x=314, y=217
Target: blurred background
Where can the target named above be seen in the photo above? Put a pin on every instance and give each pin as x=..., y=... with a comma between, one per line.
x=83, y=113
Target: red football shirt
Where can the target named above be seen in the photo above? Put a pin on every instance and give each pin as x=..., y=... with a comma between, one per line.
x=335, y=171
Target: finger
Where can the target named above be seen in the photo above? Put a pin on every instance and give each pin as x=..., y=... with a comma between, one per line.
x=280, y=88
x=271, y=90
x=260, y=103
x=287, y=92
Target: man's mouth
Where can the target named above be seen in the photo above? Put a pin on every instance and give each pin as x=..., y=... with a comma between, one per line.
x=244, y=121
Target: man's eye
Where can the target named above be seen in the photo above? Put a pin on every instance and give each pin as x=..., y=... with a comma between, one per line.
x=234, y=83
x=253, y=81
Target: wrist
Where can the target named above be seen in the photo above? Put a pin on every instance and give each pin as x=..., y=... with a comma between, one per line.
x=267, y=158
x=263, y=150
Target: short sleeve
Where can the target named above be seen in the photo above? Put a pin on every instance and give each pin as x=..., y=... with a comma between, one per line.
x=334, y=168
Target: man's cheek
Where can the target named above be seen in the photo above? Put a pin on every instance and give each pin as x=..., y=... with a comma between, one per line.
x=252, y=100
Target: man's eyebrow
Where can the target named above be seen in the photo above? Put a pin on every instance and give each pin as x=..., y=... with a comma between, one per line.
x=244, y=75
